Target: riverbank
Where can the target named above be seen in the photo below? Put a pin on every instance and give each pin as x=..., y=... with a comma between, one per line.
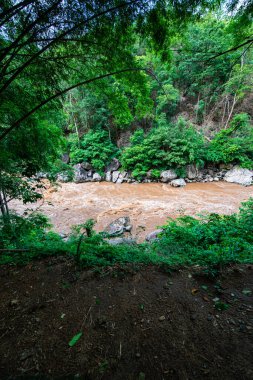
x=148, y=205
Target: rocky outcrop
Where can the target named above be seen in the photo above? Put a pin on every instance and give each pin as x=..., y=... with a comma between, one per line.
x=108, y=176
x=62, y=177
x=119, y=226
x=122, y=177
x=113, y=166
x=239, y=175
x=84, y=172
x=115, y=176
x=191, y=172
x=168, y=175
x=80, y=174
x=87, y=166
x=96, y=177
x=180, y=182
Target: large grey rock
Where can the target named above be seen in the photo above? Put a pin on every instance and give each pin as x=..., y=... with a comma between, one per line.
x=239, y=175
x=118, y=241
x=108, y=176
x=87, y=166
x=153, y=235
x=121, y=177
x=114, y=165
x=118, y=226
x=115, y=176
x=80, y=174
x=191, y=172
x=63, y=177
x=168, y=175
x=180, y=182
x=96, y=177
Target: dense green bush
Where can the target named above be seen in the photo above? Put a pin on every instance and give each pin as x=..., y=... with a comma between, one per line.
x=95, y=148
x=166, y=146
x=233, y=145
x=212, y=239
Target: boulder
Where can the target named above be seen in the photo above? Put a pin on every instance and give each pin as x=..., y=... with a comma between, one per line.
x=114, y=165
x=115, y=176
x=191, y=172
x=239, y=175
x=153, y=235
x=121, y=177
x=118, y=226
x=90, y=173
x=86, y=166
x=96, y=177
x=118, y=241
x=108, y=176
x=168, y=175
x=149, y=174
x=80, y=174
x=62, y=177
x=41, y=175
x=180, y=182
x=65, y=158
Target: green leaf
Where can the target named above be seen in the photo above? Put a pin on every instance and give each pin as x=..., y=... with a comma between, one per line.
x=75, y=339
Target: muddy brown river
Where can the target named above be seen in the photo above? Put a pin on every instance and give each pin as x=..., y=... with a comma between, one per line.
x=148, y=205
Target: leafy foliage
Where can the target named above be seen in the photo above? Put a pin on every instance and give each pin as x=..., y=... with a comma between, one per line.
x=167, y=146
x=234, y=144
x=95, y=148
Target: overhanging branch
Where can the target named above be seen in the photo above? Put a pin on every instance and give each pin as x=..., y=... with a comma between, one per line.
x=18, y=123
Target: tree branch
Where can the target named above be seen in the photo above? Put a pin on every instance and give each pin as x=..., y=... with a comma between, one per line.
x=62, y=92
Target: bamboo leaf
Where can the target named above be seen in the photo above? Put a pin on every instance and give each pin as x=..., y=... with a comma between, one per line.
x=75, y=339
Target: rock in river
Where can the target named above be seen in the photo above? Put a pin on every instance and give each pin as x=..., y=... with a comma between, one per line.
x=118, y=226
x=239, y=175
x=168, y=175
x=180, y=182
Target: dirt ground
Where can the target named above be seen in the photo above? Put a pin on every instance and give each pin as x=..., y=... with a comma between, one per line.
x=136, y=323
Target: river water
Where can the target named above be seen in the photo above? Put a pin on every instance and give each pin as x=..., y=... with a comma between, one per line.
x=148, y=205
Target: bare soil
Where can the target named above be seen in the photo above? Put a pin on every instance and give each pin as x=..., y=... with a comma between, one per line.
x=136, y=323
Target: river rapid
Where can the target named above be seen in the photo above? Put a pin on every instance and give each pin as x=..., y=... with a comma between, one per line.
x=147, y=204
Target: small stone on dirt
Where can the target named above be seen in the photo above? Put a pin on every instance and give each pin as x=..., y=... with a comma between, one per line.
x=162, y=318
x=14, y=302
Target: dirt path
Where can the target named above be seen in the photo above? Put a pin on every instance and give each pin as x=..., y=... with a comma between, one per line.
x=147, y=205
x=135, y=324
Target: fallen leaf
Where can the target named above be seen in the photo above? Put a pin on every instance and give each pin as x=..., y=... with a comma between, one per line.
x=206, y=299
x=194, y=291
x=75, y=339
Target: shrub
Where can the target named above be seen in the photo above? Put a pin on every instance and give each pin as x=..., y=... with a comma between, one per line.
x=95, y=148
x=233, y=145
x=210, y=240
x=167, y=146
